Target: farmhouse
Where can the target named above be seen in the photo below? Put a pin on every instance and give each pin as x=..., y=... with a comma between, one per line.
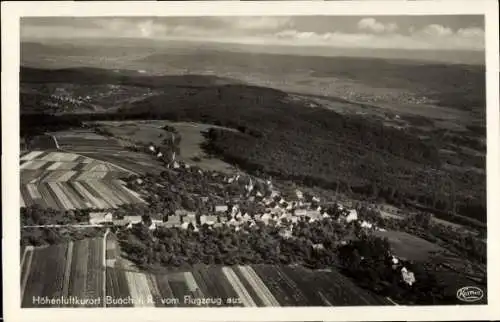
x=366, y=224
x=318, y=246
x=408, y=276
x=352, y=216
x=221, y=208
x=173, y=221
x=300, y=212
x=182, y=212
x=133, y=219
x=209, y=220
x=313, y=214
x=96, y=218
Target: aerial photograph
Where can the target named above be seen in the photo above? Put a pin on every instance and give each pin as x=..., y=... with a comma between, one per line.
x=252, y=161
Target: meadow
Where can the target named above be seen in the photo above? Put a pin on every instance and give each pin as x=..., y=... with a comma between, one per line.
x=409, y=246
x=151, y=131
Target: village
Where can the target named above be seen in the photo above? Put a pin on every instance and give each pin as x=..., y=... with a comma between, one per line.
x=270, y=206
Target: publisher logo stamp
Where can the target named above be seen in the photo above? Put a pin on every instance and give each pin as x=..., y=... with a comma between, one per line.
x=470, y=294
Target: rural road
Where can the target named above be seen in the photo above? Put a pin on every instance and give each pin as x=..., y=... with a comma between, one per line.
x=104, y=266
x=55, y=141
x=390, y=300
x=59, y=226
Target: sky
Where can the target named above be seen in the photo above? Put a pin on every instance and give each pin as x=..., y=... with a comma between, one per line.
x=364, y=32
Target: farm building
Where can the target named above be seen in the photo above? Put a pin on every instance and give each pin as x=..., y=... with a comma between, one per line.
x=209, y=220
x=313, y=214
x=221, y=208
x=318, y=246
x=173, y=221
x=181, y=212
x=96, y=218
x=408, y=276
x=352, y=216
x=366, y=224
x=120, y=222
x=300, y=212
x=133, y=219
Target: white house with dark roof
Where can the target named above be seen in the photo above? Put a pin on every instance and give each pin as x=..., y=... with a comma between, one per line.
x=133, y=219
x=300, y=212
x=221, y=208
x=365, y=224
x=408, y=277
x=96, y=218
x=352, y=216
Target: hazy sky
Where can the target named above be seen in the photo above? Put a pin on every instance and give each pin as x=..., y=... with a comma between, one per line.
x=391, y=32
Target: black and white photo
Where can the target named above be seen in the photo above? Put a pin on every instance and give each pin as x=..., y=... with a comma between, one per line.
x=256, y=161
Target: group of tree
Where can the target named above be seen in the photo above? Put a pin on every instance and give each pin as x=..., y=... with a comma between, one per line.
x=37, y=215
x=45, y=236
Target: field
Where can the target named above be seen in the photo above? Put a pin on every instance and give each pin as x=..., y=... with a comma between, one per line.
x=248, y=286
x=73, y=269
x=146, y=131
x=68, y=181
x=76, y=269
x=409, y=246
x=106, y=149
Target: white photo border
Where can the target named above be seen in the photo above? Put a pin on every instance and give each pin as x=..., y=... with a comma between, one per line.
x=13, y=11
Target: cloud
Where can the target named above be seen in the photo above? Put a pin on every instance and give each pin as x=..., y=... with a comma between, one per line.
x=120, y=27
x=256, y=23
x=435, y=30
x=442, y=37
x=473, y=32
x=431, y=37
x=368, y=33
x=372, y=25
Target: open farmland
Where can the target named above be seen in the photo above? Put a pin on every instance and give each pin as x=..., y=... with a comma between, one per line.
x=73, y=269
x=409, y=246
x=68, y=181
x=248, y=286
x=146, y=131
x=106, y=149
x=76, y=269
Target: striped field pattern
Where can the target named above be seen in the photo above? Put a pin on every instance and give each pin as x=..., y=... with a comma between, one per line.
x=106, y=149
x=68, y=181
x=241, y=286
x=91, y=269
x=74, y=269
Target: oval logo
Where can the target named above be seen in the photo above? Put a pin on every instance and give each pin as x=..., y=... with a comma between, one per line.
x=470, y=294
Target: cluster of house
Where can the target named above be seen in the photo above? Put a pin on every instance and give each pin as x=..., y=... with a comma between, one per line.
x=170, y=162
x=277, y=211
